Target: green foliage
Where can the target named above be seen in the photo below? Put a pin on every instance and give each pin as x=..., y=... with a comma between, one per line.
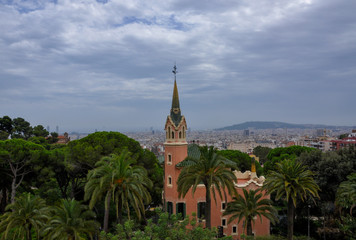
x=242, y=160
x=84, y=153
x=212, y=171
x=167, y=227
x=5, y=127
x=261, y=153
x=291, y=181
x=249, y=207
x=26, y=214
x=277, y=155
x=70, y=220
x=40, y=131
x=19, y=158
x=21, y=129
x=330, y=168
x=346, y=193
x=116, y=177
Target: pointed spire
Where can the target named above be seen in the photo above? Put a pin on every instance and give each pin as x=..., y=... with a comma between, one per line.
x=175, y=110
x=175, y=99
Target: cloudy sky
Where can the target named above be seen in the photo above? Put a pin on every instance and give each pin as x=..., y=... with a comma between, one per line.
x=107, y=65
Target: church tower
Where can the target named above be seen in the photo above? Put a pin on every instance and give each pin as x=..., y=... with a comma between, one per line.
x=176, y=150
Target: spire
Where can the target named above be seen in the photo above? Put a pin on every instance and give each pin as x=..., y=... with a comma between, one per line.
x=175, y=110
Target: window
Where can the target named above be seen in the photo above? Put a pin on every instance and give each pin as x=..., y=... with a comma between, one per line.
x=169, y=132
x=201, y=210
x=172, y=134
x=170, y=207
x=223, y=222
x=234, y=229
x=180, y=134
x=180, y=209
x=169, y=160
x=223, y=206
x=169, y=182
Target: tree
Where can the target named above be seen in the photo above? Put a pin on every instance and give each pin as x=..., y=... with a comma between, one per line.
x=346, y=193
x=84, y=153
x=291, y=181
x=261, y=153
x=279, y=154
x=26, y=214
x=70, y=220
x=40, y=131
x=18, y=155
x=21, y=129
x=116, y=177
x=5, y=127
x=210, y=169
x=249, y=207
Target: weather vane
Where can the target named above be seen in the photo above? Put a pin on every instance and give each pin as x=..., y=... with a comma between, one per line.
x=174, y=71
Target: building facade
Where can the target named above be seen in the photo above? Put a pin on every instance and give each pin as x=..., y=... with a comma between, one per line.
x=176, y=150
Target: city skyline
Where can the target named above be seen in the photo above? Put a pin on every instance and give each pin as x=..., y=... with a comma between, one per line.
x=107, y=65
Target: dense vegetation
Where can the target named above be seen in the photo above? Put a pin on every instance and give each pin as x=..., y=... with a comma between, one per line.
x=106, y=181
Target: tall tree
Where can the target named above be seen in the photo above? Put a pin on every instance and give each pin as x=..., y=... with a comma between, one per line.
x=40, y=131
x=21, y=128
x=250, y=206
x=5, y=127
x=210, y=169
x=71, y=220
x=291, y=181
x=26, y=214
x=18, y=155
x=346, y=193
x=116, y=177
x=261, y=153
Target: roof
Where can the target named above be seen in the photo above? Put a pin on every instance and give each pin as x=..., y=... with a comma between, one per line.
x=176, y=115
x=193, y=152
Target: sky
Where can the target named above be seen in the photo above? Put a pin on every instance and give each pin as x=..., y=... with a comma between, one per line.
x=106, y=65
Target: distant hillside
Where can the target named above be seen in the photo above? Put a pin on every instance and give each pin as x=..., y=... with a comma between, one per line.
x=275, y=125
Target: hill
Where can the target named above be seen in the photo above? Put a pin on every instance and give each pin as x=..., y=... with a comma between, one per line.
x=275, y=125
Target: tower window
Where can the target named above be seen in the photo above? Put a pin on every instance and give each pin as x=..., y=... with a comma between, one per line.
x=180, y=134
x=169, y=132
x=223, y=222
x=234, y=229
x=170, y=207
x=169, y=183
x=201, y=210
x=223, y=206
x=172, y=134
x=181, y=209
x=169, y=160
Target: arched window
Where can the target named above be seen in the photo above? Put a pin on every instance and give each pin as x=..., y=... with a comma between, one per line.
x=180, y=134
x=169, y=132
x=172, y=134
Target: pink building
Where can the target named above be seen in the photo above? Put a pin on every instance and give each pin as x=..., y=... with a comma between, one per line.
x=176, y=150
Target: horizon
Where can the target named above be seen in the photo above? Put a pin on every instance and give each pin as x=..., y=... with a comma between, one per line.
x=107, y=65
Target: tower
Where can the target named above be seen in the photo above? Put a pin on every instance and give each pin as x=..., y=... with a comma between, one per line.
x=176, y=150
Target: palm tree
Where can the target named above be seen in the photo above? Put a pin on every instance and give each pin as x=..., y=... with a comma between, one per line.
x=115, y=177
x=210, y=169
x=346, y=193
x=249, y=207
x=70, y=220
x=291, y=181
x=27, y=213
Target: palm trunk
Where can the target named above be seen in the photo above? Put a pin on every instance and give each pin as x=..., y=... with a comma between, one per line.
x=290, y=214
x=248, y=227
x=107, y=210
x=208, y=207
x=119, y=212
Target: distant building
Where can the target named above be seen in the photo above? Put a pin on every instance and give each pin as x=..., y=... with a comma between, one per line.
x=176, y=150
x=63, y=139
